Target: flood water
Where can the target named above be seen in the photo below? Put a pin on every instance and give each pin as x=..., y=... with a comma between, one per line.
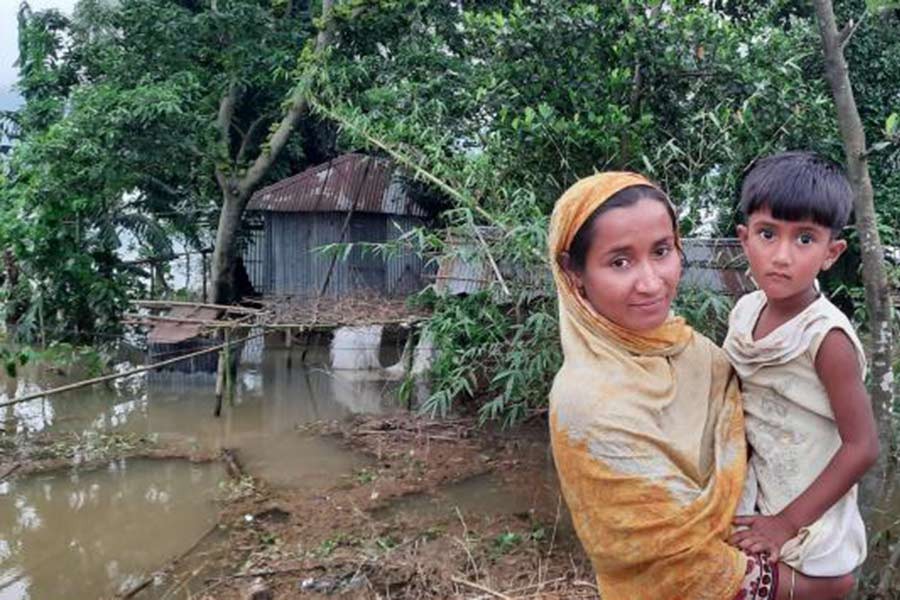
x=96, y=533
x=86, y=534
x=271, y=400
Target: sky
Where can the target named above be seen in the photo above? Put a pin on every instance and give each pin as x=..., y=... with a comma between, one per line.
x=9, y=45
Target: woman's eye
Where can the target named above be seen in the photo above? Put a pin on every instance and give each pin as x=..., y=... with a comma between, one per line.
x=663, y=251
x=619, y=263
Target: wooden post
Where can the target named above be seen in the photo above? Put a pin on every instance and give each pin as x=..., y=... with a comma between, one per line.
x=288, y=342
x=227, y=364
x=203, y=268
x=220, y=382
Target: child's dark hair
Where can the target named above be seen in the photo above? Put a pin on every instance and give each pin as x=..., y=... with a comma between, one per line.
x=796, y=186
x=581, y=243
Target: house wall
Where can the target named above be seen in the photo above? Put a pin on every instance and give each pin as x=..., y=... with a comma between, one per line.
x=281, y=258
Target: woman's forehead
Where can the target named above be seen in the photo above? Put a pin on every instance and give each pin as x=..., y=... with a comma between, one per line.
x=644, y=222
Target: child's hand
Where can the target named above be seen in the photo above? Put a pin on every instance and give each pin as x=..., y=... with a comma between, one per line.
x=763, y=534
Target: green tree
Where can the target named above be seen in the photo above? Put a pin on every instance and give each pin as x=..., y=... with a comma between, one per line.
x=502, y=105
x=146, y=117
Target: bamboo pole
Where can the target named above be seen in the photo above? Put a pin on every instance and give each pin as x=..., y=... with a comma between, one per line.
x=132, y=318
x=170, y=303
x=95, y=380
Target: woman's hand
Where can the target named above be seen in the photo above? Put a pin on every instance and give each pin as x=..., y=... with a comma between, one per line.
x=763, y=534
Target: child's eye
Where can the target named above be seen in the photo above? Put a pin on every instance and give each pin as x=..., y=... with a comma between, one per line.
x=806, y=239
x=766, y=234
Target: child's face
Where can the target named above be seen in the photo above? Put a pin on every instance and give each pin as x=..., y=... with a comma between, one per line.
x=786, y=256
x=632, y=267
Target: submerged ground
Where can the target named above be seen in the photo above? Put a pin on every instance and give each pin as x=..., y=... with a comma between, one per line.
x=311, y=484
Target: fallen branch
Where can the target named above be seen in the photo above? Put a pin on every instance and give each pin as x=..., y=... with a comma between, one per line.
x=146, y=582
x=137, y=589
x=480, y=588
x=540, y=584
x=235, y=471
x=10, y=471
x=267, y=572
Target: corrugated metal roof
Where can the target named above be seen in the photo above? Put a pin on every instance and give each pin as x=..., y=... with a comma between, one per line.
x=173, y=332
x=717, y=264
x=352, y=181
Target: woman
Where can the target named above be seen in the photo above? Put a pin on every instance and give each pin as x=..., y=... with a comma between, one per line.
x=645, y=417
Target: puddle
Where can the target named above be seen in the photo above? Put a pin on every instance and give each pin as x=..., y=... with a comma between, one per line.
x=94, y=534
x=481, y=495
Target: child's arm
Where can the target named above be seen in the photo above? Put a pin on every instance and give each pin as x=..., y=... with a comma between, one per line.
x=838, y=368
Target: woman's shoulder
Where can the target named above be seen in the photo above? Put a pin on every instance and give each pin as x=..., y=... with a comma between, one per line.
x=578, y=398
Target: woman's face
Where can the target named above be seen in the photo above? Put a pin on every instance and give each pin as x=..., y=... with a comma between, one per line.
x=632, y=266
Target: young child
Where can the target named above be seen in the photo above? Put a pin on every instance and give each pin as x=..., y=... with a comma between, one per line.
x=809, y=421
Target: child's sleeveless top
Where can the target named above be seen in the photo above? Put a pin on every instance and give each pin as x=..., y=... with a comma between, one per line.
x=791, y=429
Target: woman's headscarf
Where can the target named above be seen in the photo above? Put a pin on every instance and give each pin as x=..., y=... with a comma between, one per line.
x=647, y=436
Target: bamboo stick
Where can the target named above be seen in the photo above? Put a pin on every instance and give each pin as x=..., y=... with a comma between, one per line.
x=169, y=303
x=133, y=317
x=87, y=382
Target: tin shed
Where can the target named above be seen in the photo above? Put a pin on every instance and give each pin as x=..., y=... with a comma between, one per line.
x=352, y=198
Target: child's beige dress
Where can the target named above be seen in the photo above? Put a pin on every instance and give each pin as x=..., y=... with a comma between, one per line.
x=791, y=430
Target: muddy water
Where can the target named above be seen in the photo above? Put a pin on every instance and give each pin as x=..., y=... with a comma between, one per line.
x=93, y=534
x=482, y=495
x=260, y=422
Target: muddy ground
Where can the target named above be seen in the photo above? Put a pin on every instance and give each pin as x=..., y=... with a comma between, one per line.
x=368, y=536
x=387, y=530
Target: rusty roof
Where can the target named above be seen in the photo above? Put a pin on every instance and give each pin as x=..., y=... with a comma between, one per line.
x=352, y=181
x=173, y=332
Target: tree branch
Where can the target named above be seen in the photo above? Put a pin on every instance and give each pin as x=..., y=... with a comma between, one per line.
x=248, y=137
x=227, y=106
x=849, y=29
x=162, y=186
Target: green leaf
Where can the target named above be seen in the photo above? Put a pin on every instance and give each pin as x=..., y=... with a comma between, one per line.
x=891, y=124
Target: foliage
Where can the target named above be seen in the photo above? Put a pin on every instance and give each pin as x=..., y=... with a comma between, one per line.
x=12, y=360
x=705, y=310
x=505, y=542
x=492, y=107
x=498, y=354
x=118, y=143
x=501, y=105
x=59, y=356
x=90, y=446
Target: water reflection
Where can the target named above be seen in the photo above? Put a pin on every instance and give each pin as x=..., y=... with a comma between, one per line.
x=89, y=535
x=270, y=400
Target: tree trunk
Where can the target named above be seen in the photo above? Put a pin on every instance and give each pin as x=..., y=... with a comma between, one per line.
x=236, y=191
x=225, y=249
x=874, y=274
